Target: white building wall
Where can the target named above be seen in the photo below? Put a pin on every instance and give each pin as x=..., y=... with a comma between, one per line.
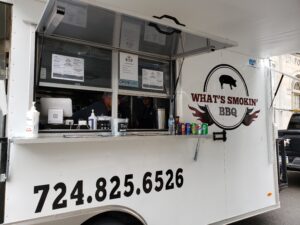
x=283, y=103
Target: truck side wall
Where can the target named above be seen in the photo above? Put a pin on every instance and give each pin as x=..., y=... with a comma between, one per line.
x=229, y=179
x=25, y=17
x=249, y=151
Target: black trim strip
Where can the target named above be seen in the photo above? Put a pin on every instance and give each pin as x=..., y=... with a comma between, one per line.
x=2, y=202
x=3, y=169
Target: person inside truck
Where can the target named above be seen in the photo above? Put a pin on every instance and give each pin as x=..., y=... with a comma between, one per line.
x=101, y=108
x=146, y=115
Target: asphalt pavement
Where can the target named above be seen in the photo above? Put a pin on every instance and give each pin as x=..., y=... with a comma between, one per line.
x=288, y=214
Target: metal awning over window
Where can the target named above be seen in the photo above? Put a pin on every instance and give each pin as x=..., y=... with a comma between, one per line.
x=106, y=28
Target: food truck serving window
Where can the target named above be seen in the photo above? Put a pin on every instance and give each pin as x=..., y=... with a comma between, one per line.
x=74, y=79
x=126, y=62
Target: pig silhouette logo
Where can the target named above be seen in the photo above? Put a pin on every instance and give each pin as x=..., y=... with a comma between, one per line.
x=226, y=79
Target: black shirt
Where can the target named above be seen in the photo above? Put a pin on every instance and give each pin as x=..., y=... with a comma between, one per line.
x=146, y=118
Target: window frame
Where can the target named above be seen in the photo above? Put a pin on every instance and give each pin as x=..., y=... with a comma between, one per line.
x=115, y=74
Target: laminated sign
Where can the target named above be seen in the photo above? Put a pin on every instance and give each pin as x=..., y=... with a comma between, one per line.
x=153, y=79
x=225, y=99
x=129, y=70
x=67, y=68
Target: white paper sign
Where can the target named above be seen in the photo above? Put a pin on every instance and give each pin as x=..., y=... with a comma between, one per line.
x=67, y=68
x=130, y=36
x=3, y=100
x=129, y=70
x=153, y=79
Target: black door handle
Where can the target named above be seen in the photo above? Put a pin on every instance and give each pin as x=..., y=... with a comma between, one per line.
x=164, y=31
x=171, y=18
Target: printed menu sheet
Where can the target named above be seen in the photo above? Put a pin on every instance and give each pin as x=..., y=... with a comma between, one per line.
x=67, y=68
x=128, y=70
x=153, y=79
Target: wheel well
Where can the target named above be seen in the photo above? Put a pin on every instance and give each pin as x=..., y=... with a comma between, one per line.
x=118, y=217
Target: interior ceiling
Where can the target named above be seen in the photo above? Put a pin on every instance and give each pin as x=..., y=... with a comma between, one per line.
x=262, y=28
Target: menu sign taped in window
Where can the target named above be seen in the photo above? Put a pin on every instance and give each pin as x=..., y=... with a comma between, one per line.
x=153, y=79
x=67, y=68
x=128, y=70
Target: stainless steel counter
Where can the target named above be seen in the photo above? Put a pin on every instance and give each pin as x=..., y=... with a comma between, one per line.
x=103, y=137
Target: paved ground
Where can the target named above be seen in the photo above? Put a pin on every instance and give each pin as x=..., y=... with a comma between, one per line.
x=289, y=213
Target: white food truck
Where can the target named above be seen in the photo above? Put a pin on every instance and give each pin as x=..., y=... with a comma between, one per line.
x=85, y=55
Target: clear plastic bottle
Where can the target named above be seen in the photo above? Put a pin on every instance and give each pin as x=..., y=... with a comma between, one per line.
x=32, y=122
x=171, y=124
x=93, y=121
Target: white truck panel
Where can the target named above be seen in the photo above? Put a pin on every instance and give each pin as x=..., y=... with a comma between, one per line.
x=230, y=179
x=249, y=173
x=25, y=15
x=69, y=162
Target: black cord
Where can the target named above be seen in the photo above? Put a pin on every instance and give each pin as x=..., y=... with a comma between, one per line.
x=39, y=66
x=277, y=89
x=179, y=76
x=180, y=70
x=173, y=99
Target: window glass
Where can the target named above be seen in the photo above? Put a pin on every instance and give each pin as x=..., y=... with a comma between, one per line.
x=5, y=27
x=74, y=64
x=143, y=36
x=86, y=22
x=153, y=76
x=144, y=112
x=5, y=32
x=83, y=103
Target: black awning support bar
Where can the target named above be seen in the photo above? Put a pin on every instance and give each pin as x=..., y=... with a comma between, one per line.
x=277, y=89
x=3, y=174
